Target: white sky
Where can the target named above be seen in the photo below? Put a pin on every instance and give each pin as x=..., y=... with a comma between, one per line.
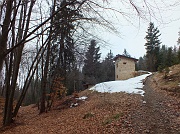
x=165, y=15
x=133, y=85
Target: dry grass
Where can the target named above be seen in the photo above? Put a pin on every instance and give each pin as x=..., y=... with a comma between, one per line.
x=171, y=83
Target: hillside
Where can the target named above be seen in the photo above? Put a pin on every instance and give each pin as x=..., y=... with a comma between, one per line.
x=158, y=111
x=100, y=113
x=171, y=83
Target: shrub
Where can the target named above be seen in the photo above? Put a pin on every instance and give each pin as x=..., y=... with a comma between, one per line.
x=166, y=72
x=160, y=69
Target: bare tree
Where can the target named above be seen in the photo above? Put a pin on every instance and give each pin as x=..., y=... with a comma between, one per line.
x=14, y=58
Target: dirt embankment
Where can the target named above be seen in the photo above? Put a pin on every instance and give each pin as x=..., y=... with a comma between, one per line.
x=168, y=80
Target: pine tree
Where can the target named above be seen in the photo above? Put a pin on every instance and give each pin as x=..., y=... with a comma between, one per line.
x=141, y=65
x=170, y=57
x=152, y=47
x=167, y=57
x=178, y=55
x=107, y=68
x=178, y=38
x=91, y=63
x=63, y=45
x=125, y=53
x=63, y=55
x=162, y=58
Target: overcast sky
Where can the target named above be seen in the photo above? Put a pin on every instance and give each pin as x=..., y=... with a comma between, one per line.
x=165, y=16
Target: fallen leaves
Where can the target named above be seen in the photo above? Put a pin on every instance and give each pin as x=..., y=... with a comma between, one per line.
x=88, y=117
x=102, y=113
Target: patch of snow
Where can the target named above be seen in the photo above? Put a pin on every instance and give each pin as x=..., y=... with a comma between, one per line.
x=74, y=104
x=179, y=84
x=132, y=85
x=142, y=71
x=82, y=98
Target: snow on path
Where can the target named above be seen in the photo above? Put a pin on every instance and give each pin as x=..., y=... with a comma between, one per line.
x=132, y=85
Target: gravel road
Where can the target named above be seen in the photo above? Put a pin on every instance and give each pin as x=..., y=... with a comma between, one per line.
x=158, y=113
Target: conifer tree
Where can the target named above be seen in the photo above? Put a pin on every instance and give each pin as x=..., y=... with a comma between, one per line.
x=63, y=41
x=170, y=57
x=178, y=38
x=92, y=64
x=141, y=64
x=107, y=68
x=152, y=47
x=162, y=57
x=125, y=53
x=178, y=55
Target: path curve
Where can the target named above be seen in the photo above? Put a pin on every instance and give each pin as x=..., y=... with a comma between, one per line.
x=157, y=114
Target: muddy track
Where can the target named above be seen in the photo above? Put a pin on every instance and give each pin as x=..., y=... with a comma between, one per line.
x=153, y=115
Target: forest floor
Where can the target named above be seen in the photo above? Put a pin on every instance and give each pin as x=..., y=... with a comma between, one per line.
x=158, y=112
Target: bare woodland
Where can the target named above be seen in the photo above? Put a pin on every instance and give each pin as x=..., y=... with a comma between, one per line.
x=43, y=41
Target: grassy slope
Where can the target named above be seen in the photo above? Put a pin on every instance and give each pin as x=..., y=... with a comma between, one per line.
x=171, y=84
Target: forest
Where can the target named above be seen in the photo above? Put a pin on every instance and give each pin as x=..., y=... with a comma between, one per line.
x=48, y=51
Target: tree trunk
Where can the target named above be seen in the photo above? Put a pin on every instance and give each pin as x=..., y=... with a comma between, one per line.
x=46, y=68
x=16, y=56
x=31, y=72
x=5, y=31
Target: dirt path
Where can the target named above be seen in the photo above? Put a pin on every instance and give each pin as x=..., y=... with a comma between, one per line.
x=158, y=113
